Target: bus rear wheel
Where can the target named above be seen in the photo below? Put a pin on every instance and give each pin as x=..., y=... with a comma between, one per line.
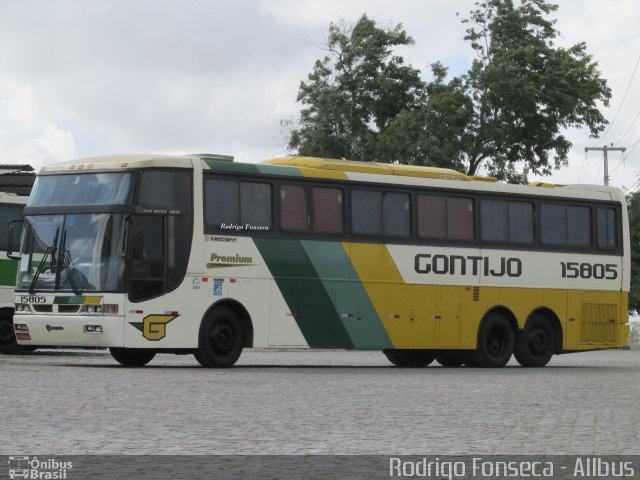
x=450, y=359
x=132, y=357
x=220, y=341
x=496, y=342
x=409, y=358
x=536, y=343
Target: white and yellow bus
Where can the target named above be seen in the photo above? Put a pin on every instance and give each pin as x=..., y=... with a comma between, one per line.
x=199, y=254
x=11, y=206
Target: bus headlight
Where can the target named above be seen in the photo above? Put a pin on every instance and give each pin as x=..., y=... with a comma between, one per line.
x=92, y=329
x=107, y=309
x=23, y=308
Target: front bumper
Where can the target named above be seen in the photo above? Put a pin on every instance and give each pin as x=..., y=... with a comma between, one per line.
x=71, y=331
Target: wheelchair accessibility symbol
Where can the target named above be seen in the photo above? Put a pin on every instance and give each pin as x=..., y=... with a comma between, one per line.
x=217, y=287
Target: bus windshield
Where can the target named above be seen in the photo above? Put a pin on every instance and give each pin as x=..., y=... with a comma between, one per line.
x=82, y=189
x=78, y=252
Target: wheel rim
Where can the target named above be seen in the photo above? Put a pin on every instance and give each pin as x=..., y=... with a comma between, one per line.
x=496, y=341
x=538, y=341
x=222, y=338
x=6, y=333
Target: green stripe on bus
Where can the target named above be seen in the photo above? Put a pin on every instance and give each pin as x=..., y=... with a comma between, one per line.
x=225, y=166
x=276, y=170
x=349, y=296
x=304, y=293
x=69, y=300
x=251, y=168
x=8, y=272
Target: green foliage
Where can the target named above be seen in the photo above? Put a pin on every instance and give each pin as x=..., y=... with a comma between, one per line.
x=633, y=206
x=363, y=102
x=634, y=336
x=525, y=90
x=354, y=92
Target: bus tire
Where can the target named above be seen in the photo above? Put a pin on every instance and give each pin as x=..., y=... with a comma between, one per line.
x=220, y=340
x=392, y=356
x=450, y=359
x=409, y=358
x=132, y=357
x=496, y=342
x=536, y=343
x=8, y=342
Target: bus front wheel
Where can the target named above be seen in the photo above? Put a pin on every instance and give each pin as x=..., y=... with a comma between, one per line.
x=8, y=343
x=536, y=342
x=132, y=357
x=220, y=341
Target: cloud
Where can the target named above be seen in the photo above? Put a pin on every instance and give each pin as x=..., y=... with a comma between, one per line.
x=26, y=136
x=93, y=78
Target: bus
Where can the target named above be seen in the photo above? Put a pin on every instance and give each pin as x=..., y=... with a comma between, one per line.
x=198, y=254
x=11, y=206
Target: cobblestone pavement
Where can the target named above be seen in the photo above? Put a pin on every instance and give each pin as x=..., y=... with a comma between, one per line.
x=317, y=402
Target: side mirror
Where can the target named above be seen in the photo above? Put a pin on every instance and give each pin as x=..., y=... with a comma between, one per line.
x=14, y=234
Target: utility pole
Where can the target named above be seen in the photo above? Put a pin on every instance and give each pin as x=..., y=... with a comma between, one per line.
x=604, y=151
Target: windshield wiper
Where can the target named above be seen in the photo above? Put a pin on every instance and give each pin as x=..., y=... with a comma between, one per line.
x=65, y=258
x=50, y=251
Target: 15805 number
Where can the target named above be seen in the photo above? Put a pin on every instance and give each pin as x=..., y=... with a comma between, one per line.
x=599, y=271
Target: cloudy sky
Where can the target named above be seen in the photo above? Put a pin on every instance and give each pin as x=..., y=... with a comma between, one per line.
x=81, y=78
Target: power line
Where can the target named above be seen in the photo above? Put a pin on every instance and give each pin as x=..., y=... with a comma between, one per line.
x=621, y=102
x=630, y=127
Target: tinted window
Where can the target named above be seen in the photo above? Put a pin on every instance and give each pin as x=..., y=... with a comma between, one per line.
x=460, y=218
x=396, y=214
x=9, y=212
x=606, y=227
x=431, y=217
x=494, y=220
x=366, y=212
x=229, y=202
x=565, y=225
x=553, y=224
x=578, y=226
x=445, y=217
x=327, y=210
x=165, y=189
x=504, y=221
x=520, y=222
x=294, y=213
x=255, y=204
x=222, y=202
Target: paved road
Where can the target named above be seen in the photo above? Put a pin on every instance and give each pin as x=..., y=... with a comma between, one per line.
x=317, y=403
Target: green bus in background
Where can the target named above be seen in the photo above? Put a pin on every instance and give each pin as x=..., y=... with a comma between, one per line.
x=11, y=207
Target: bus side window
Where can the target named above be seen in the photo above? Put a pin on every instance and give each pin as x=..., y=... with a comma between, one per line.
x=160, y=250
x=606, y=221
x=396, y=214
x=327, y=210
x=565, y=225
x=10, y=212
x=294, y=211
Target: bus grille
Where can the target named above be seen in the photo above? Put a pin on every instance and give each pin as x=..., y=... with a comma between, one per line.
x=598, y=323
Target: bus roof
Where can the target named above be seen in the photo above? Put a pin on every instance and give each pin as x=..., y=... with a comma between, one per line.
x=322, y=168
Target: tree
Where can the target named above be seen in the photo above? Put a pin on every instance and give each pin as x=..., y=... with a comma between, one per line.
x=511, y=107
x=633, y=206
x=525, y=90
x=354, y=92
